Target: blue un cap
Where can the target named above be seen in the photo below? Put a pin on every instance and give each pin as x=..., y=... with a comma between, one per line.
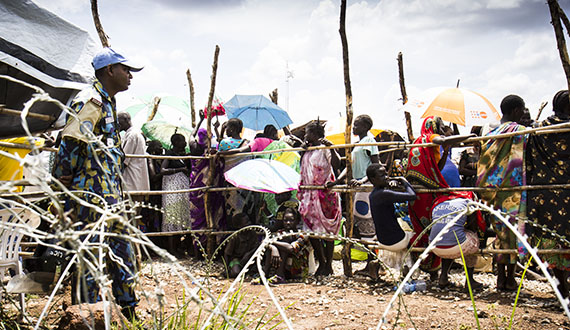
x=108, y=56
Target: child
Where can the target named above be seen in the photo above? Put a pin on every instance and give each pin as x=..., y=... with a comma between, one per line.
x=284, y=200
x=240, y=249
x=289, y=256
x=388, y=232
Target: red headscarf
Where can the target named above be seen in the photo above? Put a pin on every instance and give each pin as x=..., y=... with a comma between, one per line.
x=423, y=161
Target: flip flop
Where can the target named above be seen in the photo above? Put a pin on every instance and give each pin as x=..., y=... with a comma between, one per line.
x=275, y=280
x=448, y=285
x=479, y=286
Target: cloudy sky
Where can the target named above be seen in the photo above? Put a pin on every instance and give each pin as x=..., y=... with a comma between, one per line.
x=495, y=47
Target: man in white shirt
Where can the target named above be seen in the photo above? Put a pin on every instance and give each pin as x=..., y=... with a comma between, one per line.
x=135, y=171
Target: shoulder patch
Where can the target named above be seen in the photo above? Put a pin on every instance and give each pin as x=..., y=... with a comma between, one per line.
x=96, y=101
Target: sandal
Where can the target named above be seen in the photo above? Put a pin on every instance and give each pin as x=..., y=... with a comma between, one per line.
x=275, y=280
x=475, y=286
x=448, y=286
x=256, y=281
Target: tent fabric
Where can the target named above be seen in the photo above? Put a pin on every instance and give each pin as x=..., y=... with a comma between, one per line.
x=44, y=45
x=44, y=50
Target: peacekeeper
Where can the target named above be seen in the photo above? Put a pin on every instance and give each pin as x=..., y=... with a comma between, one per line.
x=89, y=162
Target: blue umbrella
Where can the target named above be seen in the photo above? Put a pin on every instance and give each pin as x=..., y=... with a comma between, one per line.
x=256, y=111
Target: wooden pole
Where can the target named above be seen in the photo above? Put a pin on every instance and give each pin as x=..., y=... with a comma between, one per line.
x=192, y=109
x=555, y=11
x=12, y=112
x=542, y=105
x=346, y=260
x=564, y=19
x=409, y=126
x=98, y=26
x=273, y=96
x=405, y=97
x=212, y=169
x=155, y=103
x=401, y=74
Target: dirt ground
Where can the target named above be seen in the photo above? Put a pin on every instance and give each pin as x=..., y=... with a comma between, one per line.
x=338, y=302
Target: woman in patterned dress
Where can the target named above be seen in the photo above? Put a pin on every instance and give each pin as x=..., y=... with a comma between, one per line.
x=502, y=164
x=175, y=177
x=235, y=199
x=548, y=162
x=320, y=209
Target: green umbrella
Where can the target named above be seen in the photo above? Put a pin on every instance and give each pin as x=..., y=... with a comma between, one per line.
x=171, y=109
x=162, y=131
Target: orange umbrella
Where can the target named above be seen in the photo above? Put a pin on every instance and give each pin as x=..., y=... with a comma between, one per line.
x=456, y=105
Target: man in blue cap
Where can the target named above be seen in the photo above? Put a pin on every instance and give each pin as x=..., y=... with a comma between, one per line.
x=89, y=162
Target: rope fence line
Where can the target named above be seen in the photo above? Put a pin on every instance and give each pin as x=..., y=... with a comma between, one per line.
x=553, y=129
x=338, y=188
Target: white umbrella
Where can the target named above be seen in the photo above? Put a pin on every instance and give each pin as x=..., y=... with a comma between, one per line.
x=263, y=175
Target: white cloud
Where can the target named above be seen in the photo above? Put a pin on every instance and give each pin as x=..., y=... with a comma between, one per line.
x=72, y=6
x=503, y=4
x=495, y=47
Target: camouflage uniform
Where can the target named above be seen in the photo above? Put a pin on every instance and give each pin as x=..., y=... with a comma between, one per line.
x=95, y=171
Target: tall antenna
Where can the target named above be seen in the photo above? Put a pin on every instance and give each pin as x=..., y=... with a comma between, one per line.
x=289, y=75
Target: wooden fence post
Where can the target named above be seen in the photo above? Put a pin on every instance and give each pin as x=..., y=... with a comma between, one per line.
x=212, y=169
x=557, y=14
x=405, y=97
x=274, y=95
x=98, y=26
x=346, y=259
x=155, y=103
x=192, y=109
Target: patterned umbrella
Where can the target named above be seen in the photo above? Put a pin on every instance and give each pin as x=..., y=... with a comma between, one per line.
x=263, y=175
x=217, y=107
x=456, y=105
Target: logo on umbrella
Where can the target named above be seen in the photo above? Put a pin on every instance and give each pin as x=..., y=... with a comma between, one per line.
x=475, y=114
x=446, y=110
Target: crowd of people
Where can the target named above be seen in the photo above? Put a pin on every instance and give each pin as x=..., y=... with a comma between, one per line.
x=497, y=162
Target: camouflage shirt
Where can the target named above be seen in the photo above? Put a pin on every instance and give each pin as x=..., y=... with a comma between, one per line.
x=90, y=149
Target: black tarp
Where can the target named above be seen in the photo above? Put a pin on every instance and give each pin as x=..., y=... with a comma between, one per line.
x=42, y=49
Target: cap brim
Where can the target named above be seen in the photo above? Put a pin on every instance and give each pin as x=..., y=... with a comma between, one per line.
x=133, y=67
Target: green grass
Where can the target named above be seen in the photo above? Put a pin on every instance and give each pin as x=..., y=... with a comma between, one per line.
x=468, y=283
x=237, y=308
x=473, y=299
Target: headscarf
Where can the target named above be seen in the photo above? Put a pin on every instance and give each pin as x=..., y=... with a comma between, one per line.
x=559, y=104
x=430, y=126
x=423, y=161
x=202, y=137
